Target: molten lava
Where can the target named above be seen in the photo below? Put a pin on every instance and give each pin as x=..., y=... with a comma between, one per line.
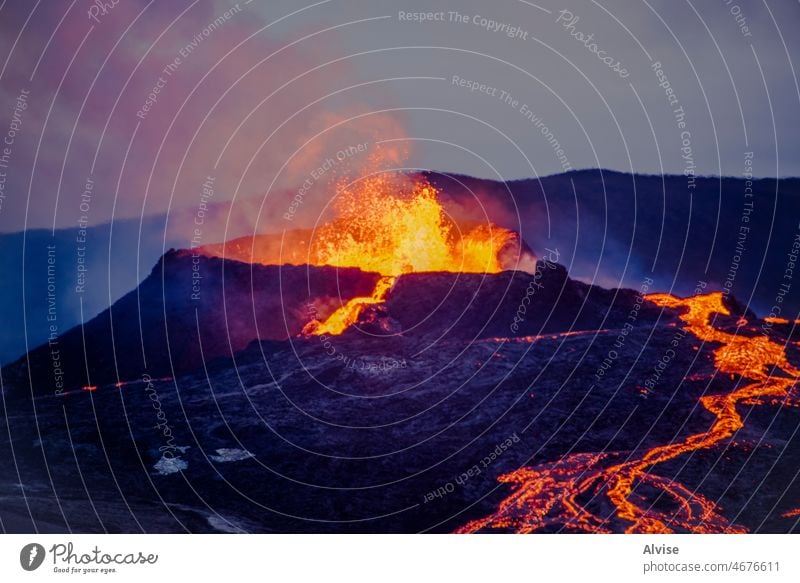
x=553, y=495
x=385, y=225
x=348, y=314
x=389, y=225
x=794, y=513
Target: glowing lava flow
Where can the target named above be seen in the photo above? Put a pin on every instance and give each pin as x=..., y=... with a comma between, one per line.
x=391, y=227
x=795, y=513
x=348, y=314
x=553, y=495
x=776, y=320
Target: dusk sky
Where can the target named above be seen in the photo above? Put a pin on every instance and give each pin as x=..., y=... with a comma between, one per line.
x=262, y=93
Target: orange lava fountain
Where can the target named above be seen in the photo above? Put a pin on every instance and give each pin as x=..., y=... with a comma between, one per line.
x=550, y=494
x=389, y=225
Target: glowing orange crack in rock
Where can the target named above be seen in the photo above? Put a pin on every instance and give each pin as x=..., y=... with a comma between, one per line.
x=547, y=495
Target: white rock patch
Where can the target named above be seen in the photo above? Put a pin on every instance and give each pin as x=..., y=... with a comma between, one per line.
x=226, y=454
x=166, y=466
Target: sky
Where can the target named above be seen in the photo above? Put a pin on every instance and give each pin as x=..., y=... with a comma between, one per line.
x=134, y=109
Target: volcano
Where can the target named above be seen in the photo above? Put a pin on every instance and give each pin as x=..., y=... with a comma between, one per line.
x=398, y=370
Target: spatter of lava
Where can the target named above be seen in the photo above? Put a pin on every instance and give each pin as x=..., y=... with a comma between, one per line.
x=391, y=225
x=553, y=495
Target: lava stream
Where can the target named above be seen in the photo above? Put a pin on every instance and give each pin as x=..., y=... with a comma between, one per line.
x=348, y=314
x=550, y=495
